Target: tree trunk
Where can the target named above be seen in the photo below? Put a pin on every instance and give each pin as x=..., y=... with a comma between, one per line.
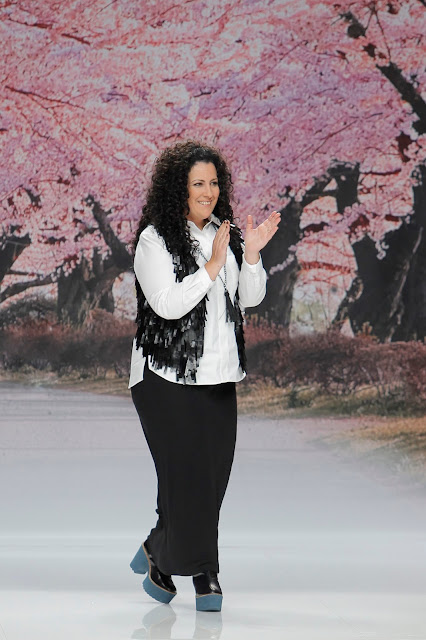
x=388, y=296
x=413, y=322
x=282, y=265
x=87, y=287
x=277, y=304
x=388, y=304
x=347, y=177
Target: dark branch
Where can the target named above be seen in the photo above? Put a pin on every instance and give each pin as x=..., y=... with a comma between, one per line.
x=392, y=72
x=11, y=249
x=81, y=40
x=407, y=92
x=19, y=287
x=119, y=253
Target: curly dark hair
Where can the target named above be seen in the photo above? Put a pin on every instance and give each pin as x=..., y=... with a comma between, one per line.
x=166, y=204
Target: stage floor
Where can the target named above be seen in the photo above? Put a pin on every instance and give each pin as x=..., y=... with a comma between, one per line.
x=312, y=545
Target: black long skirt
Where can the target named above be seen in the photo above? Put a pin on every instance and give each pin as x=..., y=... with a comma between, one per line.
x=191, y=432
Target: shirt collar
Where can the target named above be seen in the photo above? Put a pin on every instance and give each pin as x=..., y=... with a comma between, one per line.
x=210, y=219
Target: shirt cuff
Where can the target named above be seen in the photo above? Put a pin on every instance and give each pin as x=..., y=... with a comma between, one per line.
x=205, y=279
x=254, y=268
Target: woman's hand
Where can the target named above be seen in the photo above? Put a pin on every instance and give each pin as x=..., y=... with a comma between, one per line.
x=220, y=245
x=256, y=239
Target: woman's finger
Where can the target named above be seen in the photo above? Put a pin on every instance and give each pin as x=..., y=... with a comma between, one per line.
x=223, y=229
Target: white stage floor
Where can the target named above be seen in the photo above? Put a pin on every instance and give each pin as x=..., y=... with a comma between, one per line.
x=312, y=547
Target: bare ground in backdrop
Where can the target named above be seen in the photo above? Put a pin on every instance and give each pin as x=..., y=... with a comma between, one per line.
x=392, y=448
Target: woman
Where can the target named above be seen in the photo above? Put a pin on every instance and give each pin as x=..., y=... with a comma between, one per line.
x=194, y=275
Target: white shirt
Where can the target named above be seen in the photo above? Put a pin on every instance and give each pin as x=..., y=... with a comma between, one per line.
x=169, y=299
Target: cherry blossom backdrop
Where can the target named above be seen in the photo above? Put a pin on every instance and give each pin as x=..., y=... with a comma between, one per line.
x=318, y=106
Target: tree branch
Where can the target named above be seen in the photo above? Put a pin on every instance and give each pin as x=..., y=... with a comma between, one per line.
x=11, y=249
x=392, y=72
x=19, y=287
x=119, y=253
x=407, y=92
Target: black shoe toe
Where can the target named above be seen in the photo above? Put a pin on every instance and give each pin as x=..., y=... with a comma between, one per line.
x=206, y=584
x=161, y=579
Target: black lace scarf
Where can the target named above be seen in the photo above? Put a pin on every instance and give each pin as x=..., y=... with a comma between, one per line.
x=178, y=344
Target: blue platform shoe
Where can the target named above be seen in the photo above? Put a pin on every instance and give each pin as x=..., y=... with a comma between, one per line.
x=158, y=585
x=208, y=594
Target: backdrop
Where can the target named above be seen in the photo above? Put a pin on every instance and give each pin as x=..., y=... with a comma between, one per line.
x=319, y=108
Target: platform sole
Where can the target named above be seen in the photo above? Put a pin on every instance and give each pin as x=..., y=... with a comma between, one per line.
x=156, y=592
x=209, y=602
x=140, y=564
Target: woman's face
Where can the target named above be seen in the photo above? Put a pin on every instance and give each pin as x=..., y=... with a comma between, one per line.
x=203, y=190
